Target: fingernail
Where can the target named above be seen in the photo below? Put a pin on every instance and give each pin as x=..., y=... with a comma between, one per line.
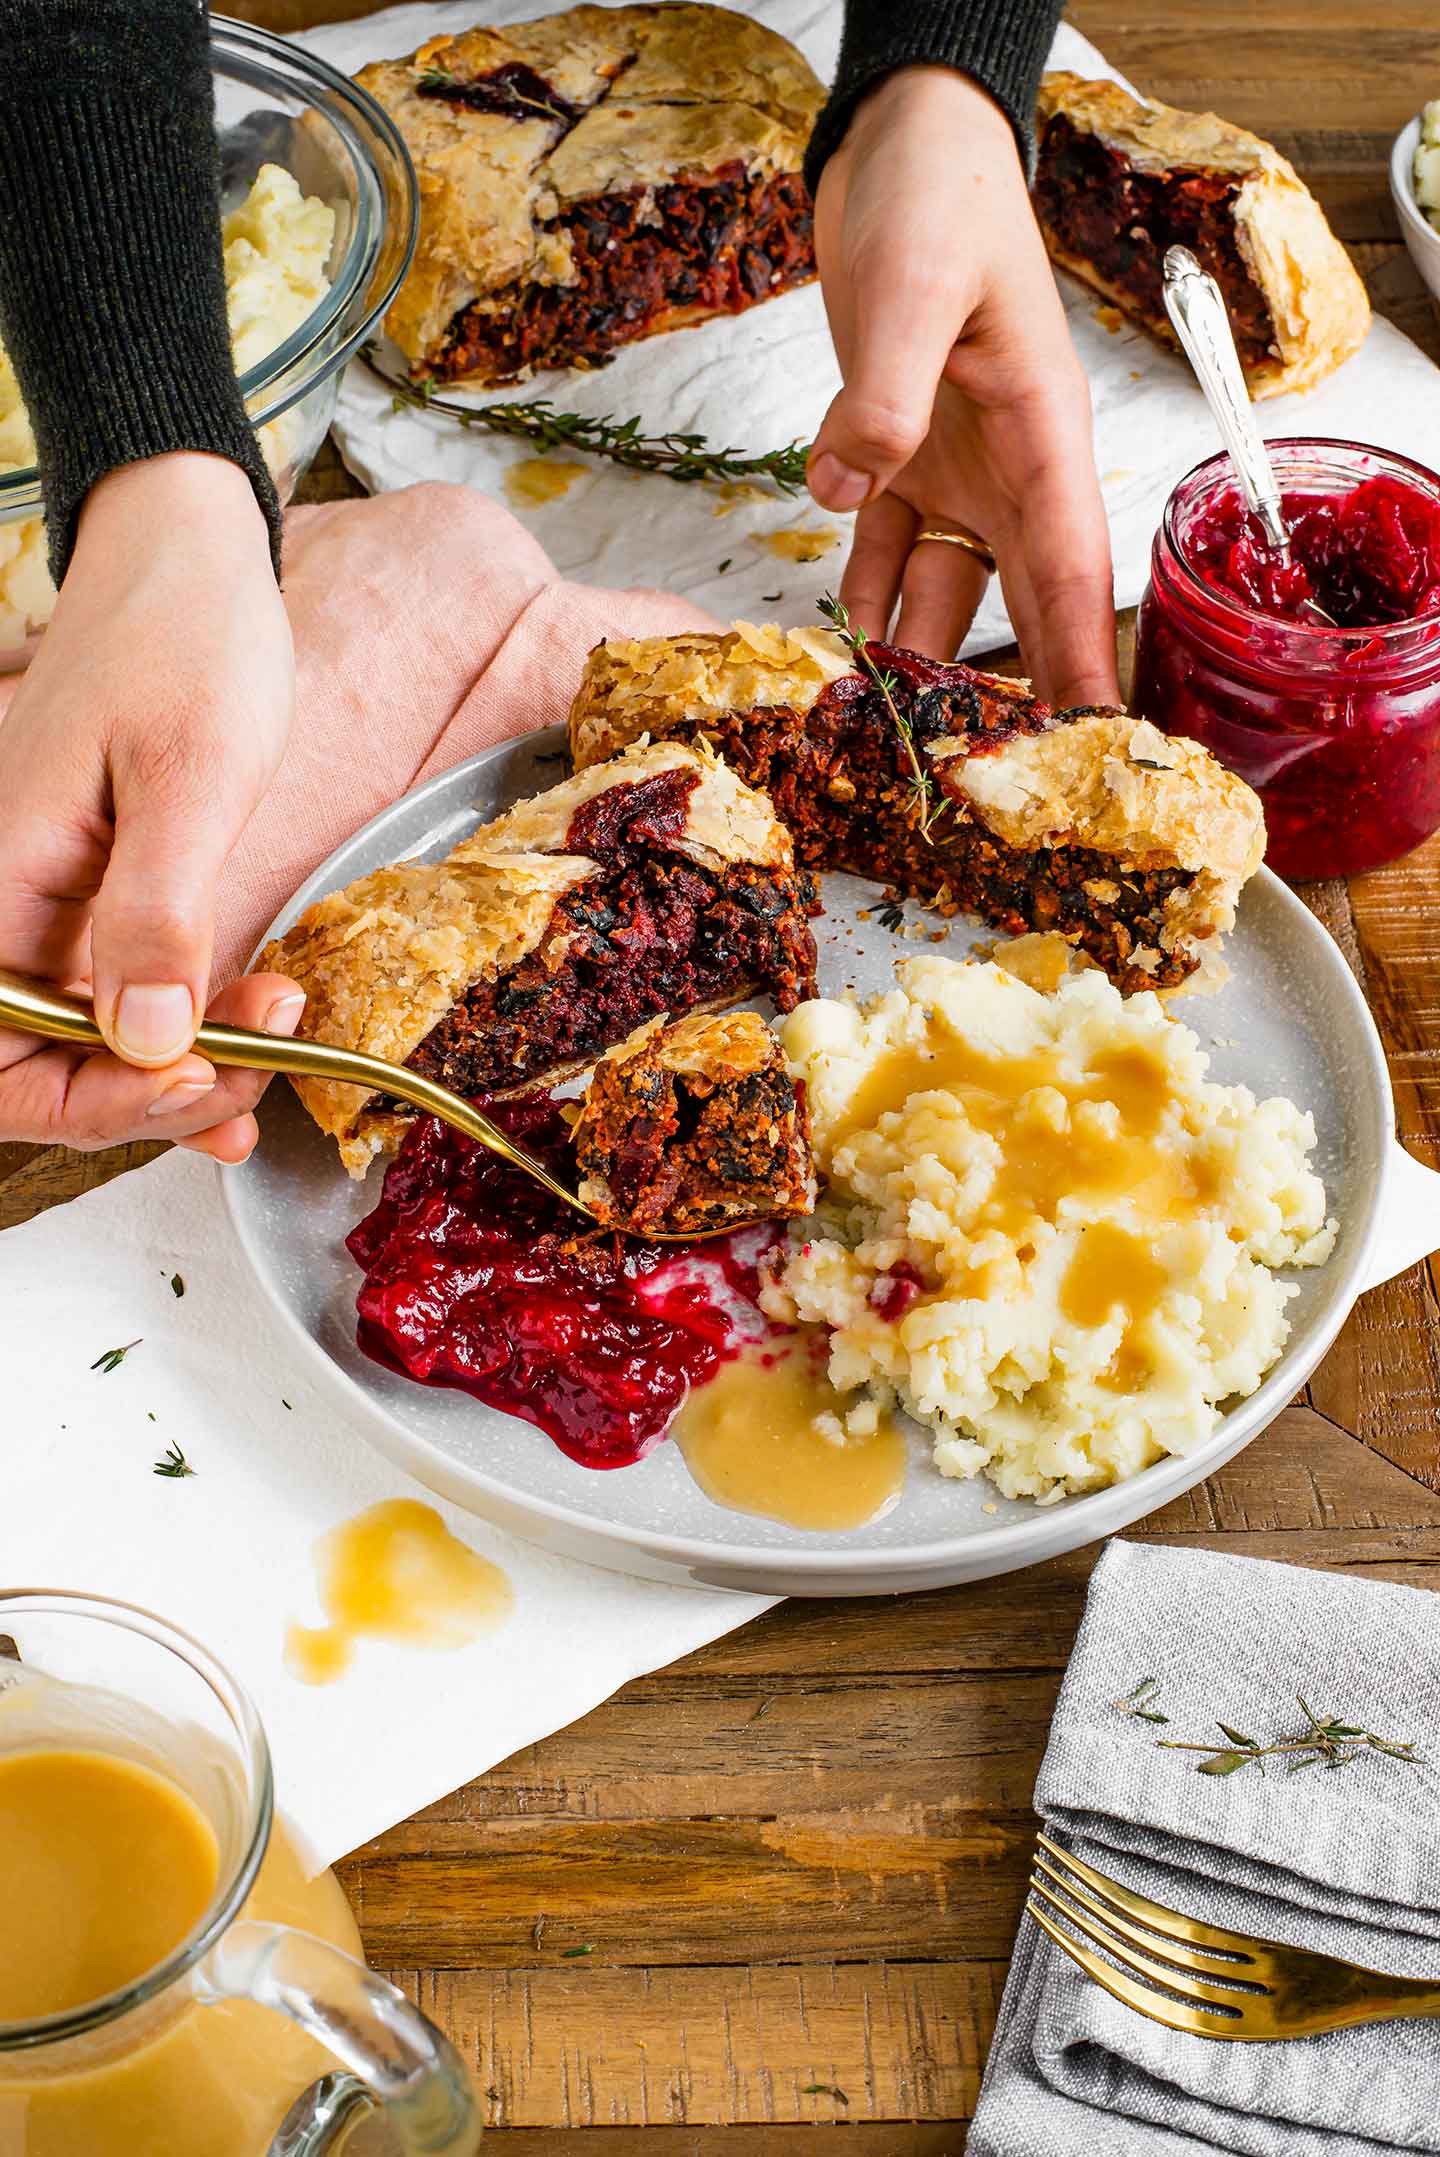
x=182, y=1095
x=835, y=484
x=284, y=1014
x=154, y=1022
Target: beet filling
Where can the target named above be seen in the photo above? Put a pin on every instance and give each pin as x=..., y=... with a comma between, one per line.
x=719, y=241
x=654, y=933
x=680, y=1152
x=1097, y=208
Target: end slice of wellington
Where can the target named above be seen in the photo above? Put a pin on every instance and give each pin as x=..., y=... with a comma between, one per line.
x=656, y=884
x=693, y=1127
x=953, y=786
x=593, y=177
x=1119, y=179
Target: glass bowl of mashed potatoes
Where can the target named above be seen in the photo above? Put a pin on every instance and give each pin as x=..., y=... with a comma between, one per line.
x=320, y=208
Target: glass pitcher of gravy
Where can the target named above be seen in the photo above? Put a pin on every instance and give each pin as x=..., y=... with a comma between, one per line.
x=172, y=1984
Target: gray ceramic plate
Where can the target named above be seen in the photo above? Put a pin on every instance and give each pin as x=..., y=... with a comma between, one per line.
x=1289, y=1020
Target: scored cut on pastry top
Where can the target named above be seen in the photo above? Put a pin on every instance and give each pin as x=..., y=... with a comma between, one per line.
x=1120, y=178
x=695, y=1126
x=954, y=786
x=593, y=177
x=657, y=883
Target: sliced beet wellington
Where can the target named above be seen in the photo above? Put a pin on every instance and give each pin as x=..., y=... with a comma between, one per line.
x=655, y=933
x=715, y=242
x=845, y=784
x=594, y=177
x=951, y=785
x=1096, y=207
x=658, y=885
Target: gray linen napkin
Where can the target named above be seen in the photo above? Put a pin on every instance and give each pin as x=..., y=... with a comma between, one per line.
x=1346, y=1861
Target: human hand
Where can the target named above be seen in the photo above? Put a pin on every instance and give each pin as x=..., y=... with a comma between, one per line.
x=144, y=732
x=964, y=403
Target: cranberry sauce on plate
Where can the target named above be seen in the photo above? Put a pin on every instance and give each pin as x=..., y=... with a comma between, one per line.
x=476, y=1277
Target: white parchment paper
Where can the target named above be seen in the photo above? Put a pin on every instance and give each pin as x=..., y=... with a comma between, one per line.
x=228, y=1552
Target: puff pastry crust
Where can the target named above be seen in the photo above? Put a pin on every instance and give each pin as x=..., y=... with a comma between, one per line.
x=387, y=962
x=1131, y=844
x=1239, y=204
x=515, y=132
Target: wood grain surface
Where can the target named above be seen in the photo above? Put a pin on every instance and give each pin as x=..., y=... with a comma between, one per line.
x=795, y=1861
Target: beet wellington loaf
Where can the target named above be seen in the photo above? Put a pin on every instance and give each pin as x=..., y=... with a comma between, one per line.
x=1119, y=179
x=593, y=177
x=654, y=884
x=694, y=1127
x=951, y=785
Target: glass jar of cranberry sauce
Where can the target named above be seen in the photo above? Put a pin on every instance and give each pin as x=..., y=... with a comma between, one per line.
x=1338, y=730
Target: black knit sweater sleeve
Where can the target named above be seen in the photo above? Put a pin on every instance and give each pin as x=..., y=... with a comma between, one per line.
x=112, y=290
x=1001, y=44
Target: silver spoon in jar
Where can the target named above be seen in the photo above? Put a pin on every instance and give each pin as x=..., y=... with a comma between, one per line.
x=1198, y=316
x=33, y=1007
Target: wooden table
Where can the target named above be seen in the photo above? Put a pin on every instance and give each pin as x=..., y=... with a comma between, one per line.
x=795, y=1861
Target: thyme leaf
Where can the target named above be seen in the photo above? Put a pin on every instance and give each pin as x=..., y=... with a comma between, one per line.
x=177, y=1284
x=687, y=458
x=174, y=1463
x=114, y=1357
x=824, y=2089
x=1142, y=1702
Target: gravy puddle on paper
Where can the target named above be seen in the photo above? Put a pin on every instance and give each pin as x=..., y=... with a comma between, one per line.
x=539, y=480
x=395, y=1572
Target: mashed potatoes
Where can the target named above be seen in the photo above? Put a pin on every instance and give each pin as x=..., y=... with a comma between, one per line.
x=277, y=245
x=1427, y=162
x=1045, y=1232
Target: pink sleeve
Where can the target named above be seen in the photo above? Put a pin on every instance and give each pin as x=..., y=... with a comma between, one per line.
x=428, y=625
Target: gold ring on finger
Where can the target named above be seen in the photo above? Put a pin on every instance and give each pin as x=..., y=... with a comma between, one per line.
x=962, y=537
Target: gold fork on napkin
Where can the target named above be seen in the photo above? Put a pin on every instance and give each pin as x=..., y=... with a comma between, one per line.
x=1215, y=1983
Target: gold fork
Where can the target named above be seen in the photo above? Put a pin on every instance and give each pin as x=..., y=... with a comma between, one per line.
x=1215, y=1983
x=33, y=1007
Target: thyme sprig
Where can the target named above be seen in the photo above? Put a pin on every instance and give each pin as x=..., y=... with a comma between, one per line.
x=927, y=804
x=1325, y=1741
x=686, y=458
x=173, y=1464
